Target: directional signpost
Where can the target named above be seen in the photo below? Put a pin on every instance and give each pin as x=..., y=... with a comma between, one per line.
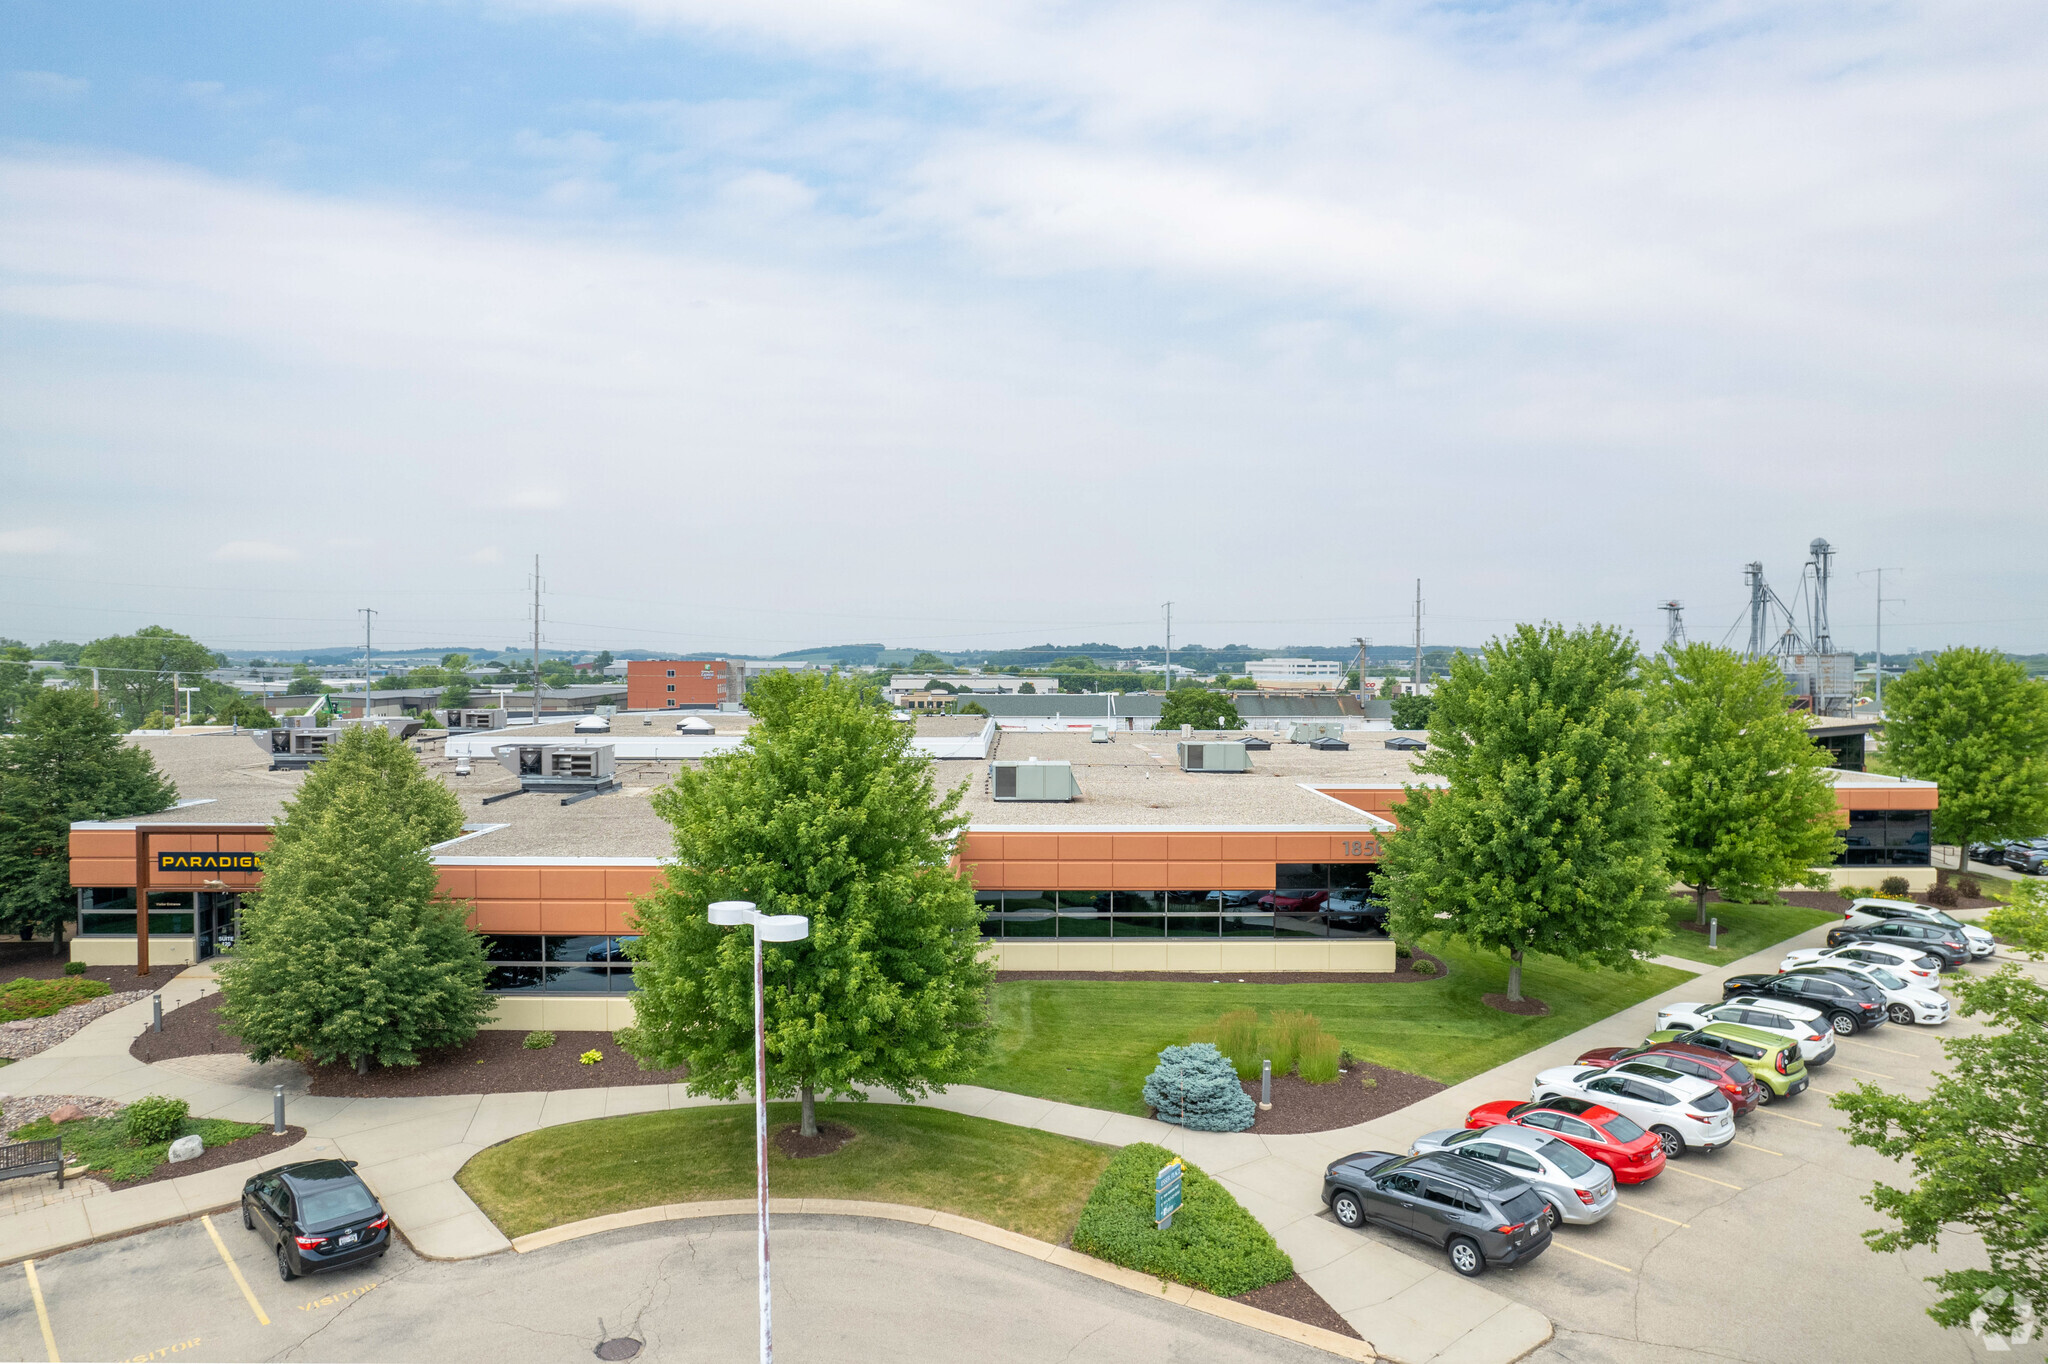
x=1166, y=1194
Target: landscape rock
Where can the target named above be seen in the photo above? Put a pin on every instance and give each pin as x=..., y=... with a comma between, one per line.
x=187, y=1148
x=66, y=1113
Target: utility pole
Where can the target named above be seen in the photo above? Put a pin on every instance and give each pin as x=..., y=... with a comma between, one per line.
x=1881, y=600
x=1169, y=646
x=536, y=639
x=1364, y=660
x=1417, y=679
x=367, y=613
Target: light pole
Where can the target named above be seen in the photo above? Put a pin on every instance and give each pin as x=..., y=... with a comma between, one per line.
x=769, y=928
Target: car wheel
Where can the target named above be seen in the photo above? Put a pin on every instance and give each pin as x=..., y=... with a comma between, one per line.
x=284, y=1266
x=1668, y=1138
x=1465, y=1256
x=1764, y=1095
x=1347, y=1209
x=1900, y=1013
x=1843, y=1024
x=1552, y=1214
x=248, y=1222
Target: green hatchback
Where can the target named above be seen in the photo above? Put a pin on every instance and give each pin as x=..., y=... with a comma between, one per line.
x=1772, y=1059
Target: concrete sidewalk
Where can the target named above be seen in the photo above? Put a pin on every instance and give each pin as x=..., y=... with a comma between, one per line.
x=410, y=1149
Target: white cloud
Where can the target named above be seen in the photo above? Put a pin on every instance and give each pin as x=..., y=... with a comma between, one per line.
x=217, y=97
x=38, y=540
x=253, y=552
x=47, y=85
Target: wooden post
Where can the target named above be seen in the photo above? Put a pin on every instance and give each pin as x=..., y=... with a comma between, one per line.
x=142, y=902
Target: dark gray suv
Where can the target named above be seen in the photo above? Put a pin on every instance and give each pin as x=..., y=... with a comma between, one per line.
x=1479, y=1214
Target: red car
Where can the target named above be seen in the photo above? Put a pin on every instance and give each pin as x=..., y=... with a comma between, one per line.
x=1703, y=1063
x=1614, y=1140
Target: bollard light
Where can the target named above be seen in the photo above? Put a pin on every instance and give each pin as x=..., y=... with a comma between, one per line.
x=1713, y=932
x=156, y=1013
x=1266, y=1083
x=277, y=1110
x=767, y=928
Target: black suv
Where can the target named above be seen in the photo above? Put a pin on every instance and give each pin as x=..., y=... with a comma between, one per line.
x=2029, y=855
x=1480, y=1214
x=1935, y=940
x=319, y=1215
x=1850, y=1003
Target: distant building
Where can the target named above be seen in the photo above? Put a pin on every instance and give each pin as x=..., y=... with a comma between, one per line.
x=1295, y=674
x=683, y=683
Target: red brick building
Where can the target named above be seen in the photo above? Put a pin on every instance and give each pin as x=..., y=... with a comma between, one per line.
x=683, y=683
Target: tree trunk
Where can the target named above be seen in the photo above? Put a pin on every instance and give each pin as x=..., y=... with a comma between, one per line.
x=810, y=1122
x=363, y=1063
x=1515, y=976
x=1699, y=904
x=57, y=939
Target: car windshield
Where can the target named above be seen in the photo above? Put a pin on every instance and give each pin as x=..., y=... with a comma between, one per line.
x=1566, y=1158
x=1622, y=1129
x=324, y=1203
x=1739, y=1073
x=1886, y=978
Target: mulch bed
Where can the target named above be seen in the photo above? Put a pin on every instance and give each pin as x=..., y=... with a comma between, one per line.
x=1299, y=1106
x=1294, y=1299
x=492, y=1062
x=1526, y=1007
x=1403, y=974
x=831, y=1136
x=32, y=960
x=234, y=1153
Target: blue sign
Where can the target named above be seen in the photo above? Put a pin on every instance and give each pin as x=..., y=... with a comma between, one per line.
x=1166, y=1194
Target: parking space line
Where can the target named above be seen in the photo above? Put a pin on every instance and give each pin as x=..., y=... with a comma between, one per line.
x=42, y=1310
x=1674, y=1170
x=1789, y=1118
x=1594, y=1258
x=1765, y=1149
x=1658, y=1215
x=1891, y=1050
x=234, y=1269
x=1878, y=1073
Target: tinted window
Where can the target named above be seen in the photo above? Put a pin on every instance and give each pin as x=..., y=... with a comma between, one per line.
x=1525, y=1206
x=1648, y=1093
x=1518, y=1159
x=1573, y=1163
x=322, y=1204
x=1401, y=1184
x=1584, y=1131
x=1648, y=1071
x=1606, y=1084
x=1739, y=1073
x=1547, y=1121
x=1436, y=1193
x=1621, y=1129
x=1713, y=1101
x=1886, y=978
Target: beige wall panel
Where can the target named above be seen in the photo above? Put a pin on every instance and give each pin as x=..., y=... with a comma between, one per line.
x=104, y=951
x=1248, y=955
x=1138, y=956
x=575, y=1015
x=1194, y=956
x=1301, y=956
x=1028, y=956
x=1084, y=956
x=1371, y=954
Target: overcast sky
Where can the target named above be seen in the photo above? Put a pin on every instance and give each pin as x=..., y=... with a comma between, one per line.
x=975, y=325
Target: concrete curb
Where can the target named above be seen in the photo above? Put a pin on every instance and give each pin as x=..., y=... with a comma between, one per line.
x=1301, y=1333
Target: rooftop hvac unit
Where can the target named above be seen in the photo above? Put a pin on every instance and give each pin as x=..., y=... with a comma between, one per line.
x=298, y=746
x=1214, y=757
x=1033, y=780
x=575, y=771
x=1098, y=734
x=397, y=726
x=479, y=718
x=1308, y=731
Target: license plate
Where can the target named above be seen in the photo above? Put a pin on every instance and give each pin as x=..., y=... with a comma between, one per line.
x=349, y=1240
x=1798, y=1085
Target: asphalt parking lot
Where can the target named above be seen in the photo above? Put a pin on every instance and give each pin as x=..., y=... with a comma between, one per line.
x=846, y=1289
x=1754, y=1253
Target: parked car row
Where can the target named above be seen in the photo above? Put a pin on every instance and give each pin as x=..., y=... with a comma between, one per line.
x=1903, y=923
x=2029, y=855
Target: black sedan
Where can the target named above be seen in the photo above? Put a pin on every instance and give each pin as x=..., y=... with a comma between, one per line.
x=1478, y=1214
x=318, y=1214
x=1850, y=1003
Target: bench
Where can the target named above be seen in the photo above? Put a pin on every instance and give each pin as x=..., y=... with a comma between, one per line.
x=45, y=1157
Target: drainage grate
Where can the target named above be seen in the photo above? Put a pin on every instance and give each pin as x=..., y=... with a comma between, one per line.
x=619, y=1347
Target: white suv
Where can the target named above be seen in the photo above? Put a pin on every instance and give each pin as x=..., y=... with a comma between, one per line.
x=1808, y=1027
x=1871, y=908
x=1685, y=1113
x=1896, y=958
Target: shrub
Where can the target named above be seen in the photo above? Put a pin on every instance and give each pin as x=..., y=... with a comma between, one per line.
x=1424, y=967
x=539, y=1041
x=154, y=1119
x=1196, y=1087
x=1970, y=886
x=1856, y=892
x=1400, y=951
x=74, y=968
x=1319, y=1058
x=1895, y=887
x=591, y=1057
x=1943, y=897
x=1284, y=1037
x=24, y=997
x=1213, y=1245
x=1237, y=1037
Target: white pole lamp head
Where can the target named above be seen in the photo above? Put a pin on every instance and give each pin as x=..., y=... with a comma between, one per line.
x=768, y=927
x=731, y=913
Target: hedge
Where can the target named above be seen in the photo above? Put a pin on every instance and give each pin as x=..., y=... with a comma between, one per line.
x=1214, y=1244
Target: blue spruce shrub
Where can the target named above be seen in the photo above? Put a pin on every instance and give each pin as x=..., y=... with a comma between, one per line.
x=1196, y=1087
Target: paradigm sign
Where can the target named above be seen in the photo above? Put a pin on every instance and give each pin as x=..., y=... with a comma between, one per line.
x=209, y=861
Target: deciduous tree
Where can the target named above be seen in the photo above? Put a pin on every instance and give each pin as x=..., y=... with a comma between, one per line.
x=67, y=762
x=1200, y=708
x=349, y=952
x=1973, y=721
x=1551, y=835
x=1751, y=807
x=1978, y=1144
x=139, y=672
x=1412, y=711
x=825, y=810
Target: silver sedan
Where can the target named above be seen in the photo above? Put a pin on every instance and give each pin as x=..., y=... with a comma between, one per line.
x=1578, y=1188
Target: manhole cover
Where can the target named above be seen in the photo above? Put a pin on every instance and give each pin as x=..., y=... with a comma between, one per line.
x=620, y=1347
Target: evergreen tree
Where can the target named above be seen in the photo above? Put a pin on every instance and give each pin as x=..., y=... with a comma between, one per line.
x=827, y=811
x=1202, y=709
x=66, y=763
x=349, y=951
x=1973, y=721
x=1751, y=806
x=1551, y=835
x=1196, y=1087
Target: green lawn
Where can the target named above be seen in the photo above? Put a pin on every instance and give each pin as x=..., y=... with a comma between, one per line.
x=1094, y=1042
x=102, y=1145
x=1744, y=929
x=1014, y=1177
